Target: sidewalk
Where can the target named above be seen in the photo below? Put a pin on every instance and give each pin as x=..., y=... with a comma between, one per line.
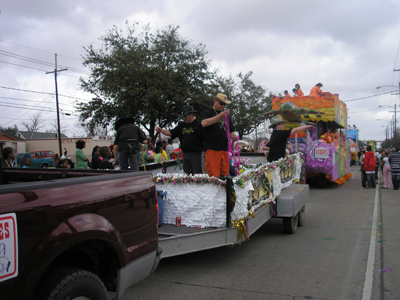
x=388, y=250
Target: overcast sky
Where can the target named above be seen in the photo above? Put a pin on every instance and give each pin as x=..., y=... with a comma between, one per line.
x=351, y=47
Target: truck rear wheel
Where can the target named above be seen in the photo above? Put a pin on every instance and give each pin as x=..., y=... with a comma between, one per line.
x=74, y=284
x=45, y=166
x=290, y=224
x=302, y=216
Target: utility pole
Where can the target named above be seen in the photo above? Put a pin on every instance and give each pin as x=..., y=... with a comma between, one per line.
x=58, y=109
x=395, y=123
x=396, y=70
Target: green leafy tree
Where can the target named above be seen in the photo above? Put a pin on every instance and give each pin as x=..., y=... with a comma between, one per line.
x=11, y=130
x=249, y=102
x=149, y=76
x=393, y=142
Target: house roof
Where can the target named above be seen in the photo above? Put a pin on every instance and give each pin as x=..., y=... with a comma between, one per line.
x=8, y=136
x=29, y=135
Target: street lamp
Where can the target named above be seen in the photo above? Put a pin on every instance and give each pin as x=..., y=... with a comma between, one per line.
x=391, y=125
x=395, y=111
x=381, y=86
x=386, y=131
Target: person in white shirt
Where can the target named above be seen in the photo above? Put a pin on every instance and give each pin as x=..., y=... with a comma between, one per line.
x=386, y=169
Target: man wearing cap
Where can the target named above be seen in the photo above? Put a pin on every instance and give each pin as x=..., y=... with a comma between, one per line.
x=215, y=137
x=191, y=139
x=277, y=143
x=126, y=142
x=316, y=90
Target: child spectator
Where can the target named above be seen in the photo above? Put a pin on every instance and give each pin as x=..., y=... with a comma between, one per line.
x=169, y=148
x=56, y=159
x=162, y=151
x=96, y=160
x=106, y=154
x=63, y=163
x=150, y=149
x=26, y=161
x=146, y=157
x=158, y=157
x=82, y=162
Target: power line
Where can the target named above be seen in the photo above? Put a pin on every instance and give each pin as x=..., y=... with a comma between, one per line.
x=15, y=89
x=38, y=49
x=37, y=61
x=24, y=113
x=25, y=58
x=41, y=108
x=368, y=97
x=22, y=66
x=17, y=105
x=19, y=99
x=30, y=91
x=35, y=68
x=72, y=117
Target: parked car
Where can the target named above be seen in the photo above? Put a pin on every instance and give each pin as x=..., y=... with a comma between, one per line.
x=43, y=153
x=43, y=162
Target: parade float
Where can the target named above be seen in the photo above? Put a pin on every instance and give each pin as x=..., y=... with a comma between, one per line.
x=211, y=202
x=200, y=212
x=373, y=145
x=352, y=137
x=325, y=149
x=200, y=200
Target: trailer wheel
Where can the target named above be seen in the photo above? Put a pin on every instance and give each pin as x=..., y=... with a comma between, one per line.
x=302, y=216
x=290, y=224
x=70, y=283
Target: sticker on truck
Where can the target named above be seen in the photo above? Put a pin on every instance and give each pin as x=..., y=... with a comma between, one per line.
x=8, y=247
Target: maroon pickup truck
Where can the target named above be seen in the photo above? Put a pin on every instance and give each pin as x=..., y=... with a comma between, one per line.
x=69, y=234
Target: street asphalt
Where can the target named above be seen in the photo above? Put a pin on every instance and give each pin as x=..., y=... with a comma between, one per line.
x=342, y=252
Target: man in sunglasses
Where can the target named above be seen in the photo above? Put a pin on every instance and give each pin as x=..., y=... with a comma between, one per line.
x=215, y=137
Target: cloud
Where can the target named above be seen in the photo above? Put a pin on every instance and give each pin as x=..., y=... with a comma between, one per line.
x=349, y=46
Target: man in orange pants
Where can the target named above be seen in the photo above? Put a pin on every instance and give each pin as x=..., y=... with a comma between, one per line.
x=215, y=137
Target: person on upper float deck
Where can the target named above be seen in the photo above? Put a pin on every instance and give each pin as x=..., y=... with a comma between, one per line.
x=277, y=143
x=215, y=137
x=287, y=95
x=316, y=90
x=299, y=92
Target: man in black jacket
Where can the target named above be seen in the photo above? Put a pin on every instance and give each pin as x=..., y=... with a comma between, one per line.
x=127, y=142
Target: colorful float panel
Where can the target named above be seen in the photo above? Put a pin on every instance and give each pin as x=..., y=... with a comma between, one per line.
x=332, y=109
x=200, y=200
